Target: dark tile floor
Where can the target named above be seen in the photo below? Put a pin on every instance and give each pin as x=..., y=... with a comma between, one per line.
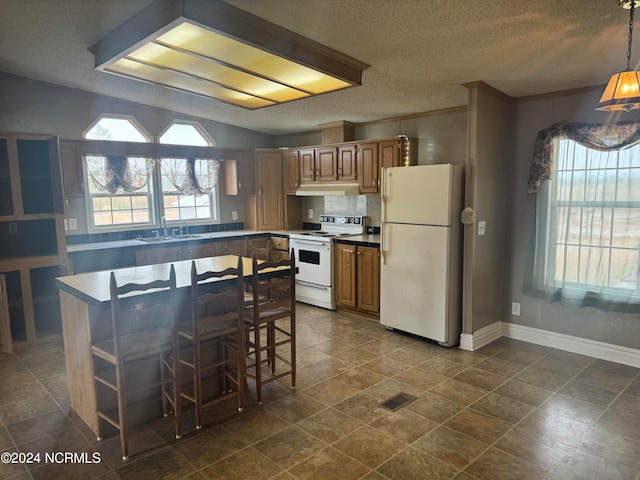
x=512, y=410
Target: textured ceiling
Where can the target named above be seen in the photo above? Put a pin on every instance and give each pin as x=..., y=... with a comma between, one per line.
x=420, y=52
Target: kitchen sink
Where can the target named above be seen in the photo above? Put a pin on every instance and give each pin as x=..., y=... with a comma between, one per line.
x=155, y=239
x=168, y=238
x=187, y=235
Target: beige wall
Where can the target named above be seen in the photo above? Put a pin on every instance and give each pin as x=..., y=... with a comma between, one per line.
x=30, y=106
x=589, y=323
x=487, y=181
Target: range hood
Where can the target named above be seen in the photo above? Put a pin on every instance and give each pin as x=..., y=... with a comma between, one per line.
x=322, y=189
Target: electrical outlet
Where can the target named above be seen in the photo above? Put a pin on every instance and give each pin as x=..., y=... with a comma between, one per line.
x=73, y=224
x=482, y=227
x=515, y=308
x=234, y=215
x=311, y=213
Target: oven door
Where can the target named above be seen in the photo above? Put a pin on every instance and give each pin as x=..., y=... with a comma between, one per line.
x=314, y=261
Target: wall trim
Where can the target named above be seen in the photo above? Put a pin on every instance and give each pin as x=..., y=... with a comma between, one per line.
x=482, y=337
x=568, y=343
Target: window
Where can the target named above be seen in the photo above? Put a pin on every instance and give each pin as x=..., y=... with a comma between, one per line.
x=587, y=250
x=178, y=202
x=595, y=218
x=122, y=129
x=189, y=186
x=113, y=202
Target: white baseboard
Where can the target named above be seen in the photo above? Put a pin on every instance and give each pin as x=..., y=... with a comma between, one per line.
x=583, y=346
x=482, y=337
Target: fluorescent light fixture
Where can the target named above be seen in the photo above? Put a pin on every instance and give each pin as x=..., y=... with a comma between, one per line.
x=212, y=49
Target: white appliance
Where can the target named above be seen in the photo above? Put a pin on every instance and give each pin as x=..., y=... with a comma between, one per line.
x=313, y=251
x=420, y=271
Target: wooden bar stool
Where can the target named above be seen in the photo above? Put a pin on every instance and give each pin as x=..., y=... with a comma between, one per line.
x=211, y=341
x=140, y=332
x=270, y=321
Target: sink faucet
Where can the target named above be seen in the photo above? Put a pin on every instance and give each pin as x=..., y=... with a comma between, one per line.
x=163, y=224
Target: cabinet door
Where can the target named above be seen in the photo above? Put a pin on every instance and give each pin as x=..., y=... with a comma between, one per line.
x=347, y=163
x=345, y=275
x=6, y=199
x=5, y=321
x=72, y=176
x=152, y=256
x=246, y=171
x=389, y=153
x=258, y=246
x=326, y=164
x=368, y=279
x=368, y=167
x=234, y=247
x=199, y=250
x=239, y=174
x=292, y=171
x=307, y=159
x=270, y=191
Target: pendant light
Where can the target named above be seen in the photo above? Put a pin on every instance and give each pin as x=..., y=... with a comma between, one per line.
x=623, y=90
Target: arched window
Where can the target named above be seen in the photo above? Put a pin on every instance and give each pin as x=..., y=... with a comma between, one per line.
x=120, y=187
x=118, y=128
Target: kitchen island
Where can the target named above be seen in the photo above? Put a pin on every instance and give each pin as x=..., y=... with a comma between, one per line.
x=85, y=305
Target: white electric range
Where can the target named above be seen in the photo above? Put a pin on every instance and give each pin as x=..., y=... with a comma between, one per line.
x=313, y=252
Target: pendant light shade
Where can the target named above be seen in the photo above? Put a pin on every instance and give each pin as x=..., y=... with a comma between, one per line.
x=623, y=90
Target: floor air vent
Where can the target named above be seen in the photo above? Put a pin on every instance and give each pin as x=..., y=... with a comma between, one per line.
x=398, y=401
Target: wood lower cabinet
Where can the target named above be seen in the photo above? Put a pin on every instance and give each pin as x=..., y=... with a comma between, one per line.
x=154, y=255
x=279, y=249
x=357, y=277
x=231, y=247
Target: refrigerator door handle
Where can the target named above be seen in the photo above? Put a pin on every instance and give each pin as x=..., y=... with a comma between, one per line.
x=383, y=196
x=382, y=242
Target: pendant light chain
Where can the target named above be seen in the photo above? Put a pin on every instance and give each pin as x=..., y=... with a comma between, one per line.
x=633, y=4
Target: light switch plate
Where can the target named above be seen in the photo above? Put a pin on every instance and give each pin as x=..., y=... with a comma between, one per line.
x=73, y=224
x=234, y=215
x=311, y=213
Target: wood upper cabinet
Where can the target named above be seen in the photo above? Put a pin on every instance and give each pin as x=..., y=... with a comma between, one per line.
x=347, y=170
x=357, y=277
x=318, y=164
x=389, y=153
x=72, y=175
x=368, y=168
x=345, y=275
x=240, y=177
x=307, y=159
x=292, y=171
x=270, y=190
x=326, y=164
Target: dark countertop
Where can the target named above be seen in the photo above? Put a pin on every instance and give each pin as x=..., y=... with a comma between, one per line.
x=108, y=245
x=366, y=240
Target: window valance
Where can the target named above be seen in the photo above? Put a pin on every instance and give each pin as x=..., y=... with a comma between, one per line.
x=612, y=136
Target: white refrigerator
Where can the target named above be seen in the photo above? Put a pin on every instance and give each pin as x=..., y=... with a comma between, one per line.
x=420, y=271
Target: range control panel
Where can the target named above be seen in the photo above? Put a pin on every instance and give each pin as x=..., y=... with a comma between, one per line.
x=341, y=219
